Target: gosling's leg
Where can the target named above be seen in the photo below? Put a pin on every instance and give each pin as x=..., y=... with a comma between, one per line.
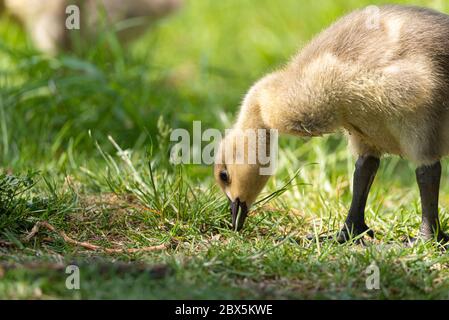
x=365, y=171
x=428, y=178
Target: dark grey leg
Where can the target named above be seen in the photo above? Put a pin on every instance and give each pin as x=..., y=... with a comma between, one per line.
x=365, y=171
x=428, y=178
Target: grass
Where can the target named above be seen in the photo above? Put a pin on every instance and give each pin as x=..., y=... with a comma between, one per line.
x=84, y=145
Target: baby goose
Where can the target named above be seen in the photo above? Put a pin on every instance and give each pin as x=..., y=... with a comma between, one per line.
x=45, y=20
x=382, y=76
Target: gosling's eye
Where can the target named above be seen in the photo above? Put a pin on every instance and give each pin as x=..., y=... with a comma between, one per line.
x=224, y=176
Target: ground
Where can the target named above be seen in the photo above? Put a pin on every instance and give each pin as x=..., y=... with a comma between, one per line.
x=84, y=147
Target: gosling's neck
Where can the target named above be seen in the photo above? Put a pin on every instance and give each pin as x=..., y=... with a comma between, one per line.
x=309, y=102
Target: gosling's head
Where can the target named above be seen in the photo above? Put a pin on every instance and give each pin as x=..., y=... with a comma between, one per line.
x=239, y=172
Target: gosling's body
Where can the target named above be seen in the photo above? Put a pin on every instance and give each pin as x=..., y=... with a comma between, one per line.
x=381, y=76
x=45, y=19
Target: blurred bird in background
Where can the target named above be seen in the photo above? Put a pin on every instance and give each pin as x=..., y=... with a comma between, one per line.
x=45, y=20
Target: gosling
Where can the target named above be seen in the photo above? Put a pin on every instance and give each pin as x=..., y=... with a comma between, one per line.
x=379, y=75
x=45, y=20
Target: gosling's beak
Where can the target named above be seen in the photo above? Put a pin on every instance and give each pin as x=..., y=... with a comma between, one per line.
x=239, y=212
